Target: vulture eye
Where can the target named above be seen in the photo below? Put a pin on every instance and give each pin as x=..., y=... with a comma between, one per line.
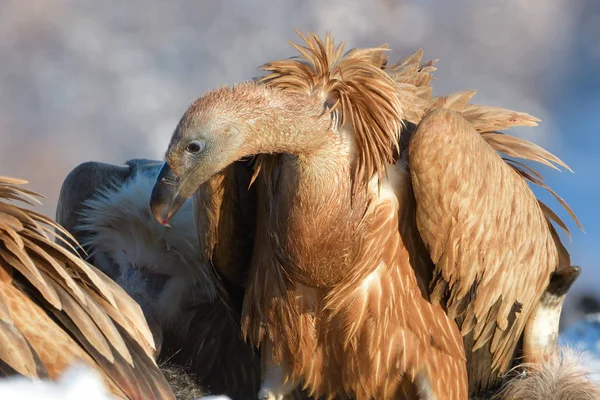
x=195, y=146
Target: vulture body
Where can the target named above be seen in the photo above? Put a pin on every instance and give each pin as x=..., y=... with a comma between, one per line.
x=105, y=207
x=56, y=310
x=384, y=214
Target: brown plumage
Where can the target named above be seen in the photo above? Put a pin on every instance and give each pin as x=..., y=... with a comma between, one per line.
x=106, y=208
x=356, y=217
x=490, y=239
x=56, y=309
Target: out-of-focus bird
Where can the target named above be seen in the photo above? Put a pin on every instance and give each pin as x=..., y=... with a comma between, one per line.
x=375, y=198
x=55, y=309
x=165, y=270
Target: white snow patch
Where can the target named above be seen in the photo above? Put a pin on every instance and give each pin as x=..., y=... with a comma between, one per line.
x=78, y=382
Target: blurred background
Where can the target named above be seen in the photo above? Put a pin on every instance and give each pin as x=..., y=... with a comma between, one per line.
x=108, y=80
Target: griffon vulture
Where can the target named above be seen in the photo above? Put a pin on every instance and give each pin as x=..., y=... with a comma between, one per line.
x=106, y=208
x=55, y=309
x=381, y=209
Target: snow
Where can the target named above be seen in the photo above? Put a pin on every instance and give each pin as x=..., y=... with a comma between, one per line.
x=78, y=382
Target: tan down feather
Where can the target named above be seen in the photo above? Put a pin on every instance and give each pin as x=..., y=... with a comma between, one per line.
x=56, y=309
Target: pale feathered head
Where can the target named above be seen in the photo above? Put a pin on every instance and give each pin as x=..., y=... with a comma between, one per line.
x=291, y=110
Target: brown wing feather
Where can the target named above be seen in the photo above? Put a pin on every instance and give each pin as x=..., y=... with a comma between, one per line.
x=225, y=219
x=413, y=81
x=18, y=355
x=488, y=120
x=49, y=295
x=485, y=120
x=273, y=309
x=484, y=229
x=413, y=334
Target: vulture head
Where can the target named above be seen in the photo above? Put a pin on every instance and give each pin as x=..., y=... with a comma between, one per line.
x=220, y=128
x=205, y=141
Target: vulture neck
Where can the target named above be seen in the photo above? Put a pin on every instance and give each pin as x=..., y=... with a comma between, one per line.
x=310, y=195
x=281, y=123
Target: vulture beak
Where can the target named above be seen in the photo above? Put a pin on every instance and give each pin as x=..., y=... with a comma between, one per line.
x=166, y=197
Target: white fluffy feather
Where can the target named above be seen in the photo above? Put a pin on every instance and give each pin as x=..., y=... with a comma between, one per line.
x=562, y=376
x=122, y=234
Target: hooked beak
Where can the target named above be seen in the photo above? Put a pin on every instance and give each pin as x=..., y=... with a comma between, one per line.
x=166, y=198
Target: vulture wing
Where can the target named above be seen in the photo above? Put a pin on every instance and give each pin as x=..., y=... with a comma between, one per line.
x=55, y=308
x=489, y=237
x=491, y=240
